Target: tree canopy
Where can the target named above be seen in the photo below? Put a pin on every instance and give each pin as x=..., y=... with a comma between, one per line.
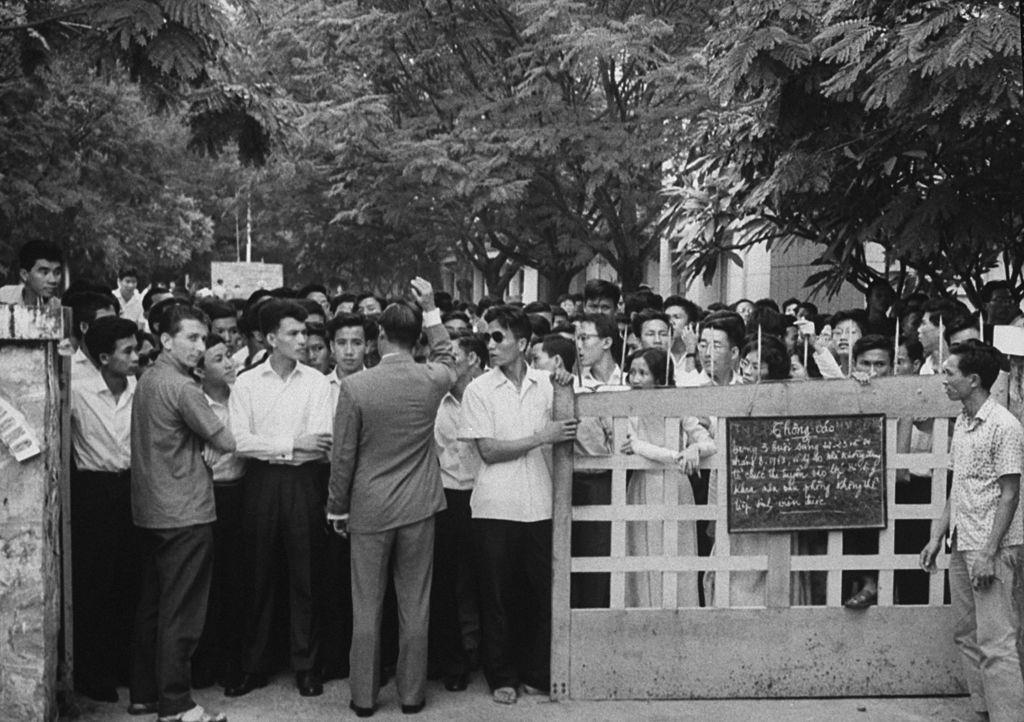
x=847, y=122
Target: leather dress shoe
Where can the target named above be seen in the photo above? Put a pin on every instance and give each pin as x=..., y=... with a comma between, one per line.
x=245, y=685
x=309, y=683
x=361, y=711
x=413, y=708
x=456, y=682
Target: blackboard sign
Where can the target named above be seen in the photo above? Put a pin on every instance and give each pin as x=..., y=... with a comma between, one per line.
x=806, y=472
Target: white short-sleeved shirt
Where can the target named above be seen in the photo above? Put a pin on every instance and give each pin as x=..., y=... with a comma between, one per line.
x=492, y=408
x=459, y=459
x=101, y=425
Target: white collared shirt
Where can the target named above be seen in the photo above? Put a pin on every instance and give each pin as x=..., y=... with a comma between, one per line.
x=101, y=425
x=492, y=408
x=460, y=461
x=132, y=308
x=594, y=435
x=82, y=366
x=268, y=413
x=335, y=382
x=226, y=467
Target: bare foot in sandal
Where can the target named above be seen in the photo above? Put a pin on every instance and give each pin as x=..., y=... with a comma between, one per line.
x=505, y=695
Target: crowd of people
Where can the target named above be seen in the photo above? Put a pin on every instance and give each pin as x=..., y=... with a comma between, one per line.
x=358, y=487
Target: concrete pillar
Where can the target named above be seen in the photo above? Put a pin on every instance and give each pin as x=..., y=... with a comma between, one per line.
x=30, y=517
x=530, y=282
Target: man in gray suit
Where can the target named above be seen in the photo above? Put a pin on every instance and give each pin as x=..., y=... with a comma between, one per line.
x=385, y=489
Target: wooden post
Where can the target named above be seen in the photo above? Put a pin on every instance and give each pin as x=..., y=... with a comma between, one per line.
x=33, y=490
x=563, y=407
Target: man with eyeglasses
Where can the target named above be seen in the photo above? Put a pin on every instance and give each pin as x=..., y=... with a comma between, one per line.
x=596, y=336
x=506, y=412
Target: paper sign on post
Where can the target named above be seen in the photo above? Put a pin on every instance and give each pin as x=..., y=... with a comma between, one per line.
x=16, y=433
x=1009, y=340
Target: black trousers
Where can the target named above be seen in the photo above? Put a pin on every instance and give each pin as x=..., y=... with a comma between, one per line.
x=282, y=512
x=514, y=571
x=104, y=574
x=591, y=539
x=177, y=568
x=220, y=647
x=453, y=544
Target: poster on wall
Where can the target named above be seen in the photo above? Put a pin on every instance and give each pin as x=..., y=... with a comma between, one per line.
x=16, y=434
x=239, y=280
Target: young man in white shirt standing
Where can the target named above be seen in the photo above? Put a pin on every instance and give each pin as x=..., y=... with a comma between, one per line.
x=507, y=413
x=281, y=417
x=128, y=297
x=219, y=654
x=454, y=579
x=101, y=512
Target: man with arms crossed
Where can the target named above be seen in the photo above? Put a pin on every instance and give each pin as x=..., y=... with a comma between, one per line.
x=280, y=414
x=385, y=489
x=507, y=412
x=986, y=581
x=172, y=502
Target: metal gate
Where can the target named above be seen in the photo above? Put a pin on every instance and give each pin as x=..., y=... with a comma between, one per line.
x=777, y=648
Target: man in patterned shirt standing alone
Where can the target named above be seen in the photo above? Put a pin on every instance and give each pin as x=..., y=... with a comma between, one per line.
x=986, y=579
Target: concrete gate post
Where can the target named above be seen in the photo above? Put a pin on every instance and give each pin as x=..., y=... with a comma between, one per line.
x=32, y=411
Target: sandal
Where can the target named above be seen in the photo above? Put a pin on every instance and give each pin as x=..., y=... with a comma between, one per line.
x=504, y=695
x=862, y=599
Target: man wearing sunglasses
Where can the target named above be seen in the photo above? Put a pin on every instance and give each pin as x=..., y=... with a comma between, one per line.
x=507, y=413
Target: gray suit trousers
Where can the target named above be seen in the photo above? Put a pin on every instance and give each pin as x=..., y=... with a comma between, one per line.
x=412, y=547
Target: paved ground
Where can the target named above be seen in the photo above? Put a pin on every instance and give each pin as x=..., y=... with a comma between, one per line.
x=280, y=702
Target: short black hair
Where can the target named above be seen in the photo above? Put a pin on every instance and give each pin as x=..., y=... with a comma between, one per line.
x=158, y=313
x=728, y=321
x=147, y=297
x=455, y=316
x=539, y=324
x=767, y=303
x=857, y=315
x=342, y=298
x=177, y=313
x=214, y=308
x=556, y=345
x=39, y=250
x=605, y=326
x=692, y=310
x=212, y=339
x=992, y=286
x=128, y=273
x=810, y=308
x=875, y=342
x=915, y=351
x=311, y=306
x=313, y=288
x=316, y=329
x=272, y=312
x=943, y=309
x=401, y=324
x=443, y=300
x=104, y=333
x=599, y=288
x=512, y=318
x=249, y=321
x=347, y=319
x=960, y=322
x=791, y=301
x=471, y=342
x=537, y=307
x=84, y=307
x=645, y=316
x=977, y=357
